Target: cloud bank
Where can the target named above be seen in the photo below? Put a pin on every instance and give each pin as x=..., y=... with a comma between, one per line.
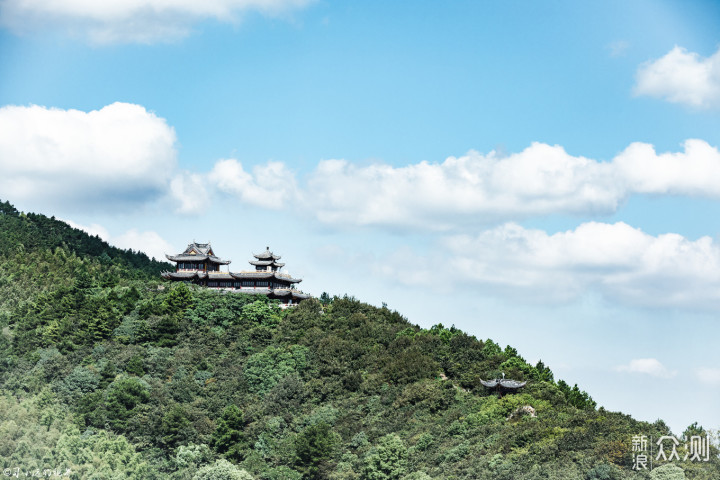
x=682, y=77
x=118, y=155
x=123, y=154
x=134, y=21
x=620, y=262
x=475, y=189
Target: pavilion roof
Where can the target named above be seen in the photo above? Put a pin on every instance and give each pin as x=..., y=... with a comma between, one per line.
x=503, y=383
x=197, y=252
x=277, y=293
x=184, y=275
x=265, y=263
x=184, y=257
x=265, y=275
x=195, y=248
x=267, y=254
x=220, y=276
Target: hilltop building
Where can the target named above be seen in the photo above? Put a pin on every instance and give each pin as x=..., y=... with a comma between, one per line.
x=199, y=265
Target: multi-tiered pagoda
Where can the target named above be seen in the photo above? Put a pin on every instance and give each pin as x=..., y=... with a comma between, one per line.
x=198, y=264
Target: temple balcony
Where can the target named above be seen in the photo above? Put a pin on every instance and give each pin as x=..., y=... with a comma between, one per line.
x=281, y=275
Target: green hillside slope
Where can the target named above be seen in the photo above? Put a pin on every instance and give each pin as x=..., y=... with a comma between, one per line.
x=108, y=372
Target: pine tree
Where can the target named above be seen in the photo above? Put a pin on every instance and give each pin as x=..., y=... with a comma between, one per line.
x=228, y=438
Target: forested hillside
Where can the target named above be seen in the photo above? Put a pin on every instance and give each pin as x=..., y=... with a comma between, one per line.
x=109, y=372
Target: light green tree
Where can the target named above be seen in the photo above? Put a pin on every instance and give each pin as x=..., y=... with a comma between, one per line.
x=222, y=470
x=388, y=462
x=668, y=471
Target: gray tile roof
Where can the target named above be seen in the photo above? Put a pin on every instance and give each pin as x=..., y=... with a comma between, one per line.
x=267, y=254
x=265, y=275
x=183, y=275
x=200, y=248
x=265, y=263
x=503, y=383
x=220, y=276
x=196, y=258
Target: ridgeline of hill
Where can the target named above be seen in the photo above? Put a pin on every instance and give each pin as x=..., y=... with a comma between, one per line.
x=109, y=372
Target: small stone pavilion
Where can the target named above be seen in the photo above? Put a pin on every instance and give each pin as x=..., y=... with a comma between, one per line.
x=502, y=385
x=199, y=265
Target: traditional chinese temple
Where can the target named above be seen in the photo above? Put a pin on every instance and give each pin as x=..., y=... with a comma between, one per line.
x=199, y=265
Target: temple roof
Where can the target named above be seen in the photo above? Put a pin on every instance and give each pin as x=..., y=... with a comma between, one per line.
x=183, y=275
x=266, y=255
x=277, y=293
x=265, y=275
x=196, y=258
x=195, y=248
x=219, y=276
x=265, y=263
x=197, y=252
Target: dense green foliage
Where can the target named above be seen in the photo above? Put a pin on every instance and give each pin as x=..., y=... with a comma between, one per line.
x=112, y=373
x=33, y=232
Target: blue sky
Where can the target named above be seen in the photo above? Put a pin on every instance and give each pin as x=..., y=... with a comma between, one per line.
x=545, y=174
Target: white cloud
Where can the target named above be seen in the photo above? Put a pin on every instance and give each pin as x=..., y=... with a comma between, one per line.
x=647, y=366
x=696, y=171
x=119, y=21
x=682, y=77
x=620, y=262
x=190, y=193
x=113, y=156
x=541, y=179
x=123, y=154
x=708, y=375
x=482, y=189
x=150, y=243
x=271, y=185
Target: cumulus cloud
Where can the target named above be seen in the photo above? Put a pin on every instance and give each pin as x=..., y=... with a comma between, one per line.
x=113, y=156
x=271, y=185
x=620, y=262
x=695, y=172
x=481, y=189
x=119, y=21
x=647, y=366
x=682, y=77
x=190, y=193
x=150, y=243
x=123, y=154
